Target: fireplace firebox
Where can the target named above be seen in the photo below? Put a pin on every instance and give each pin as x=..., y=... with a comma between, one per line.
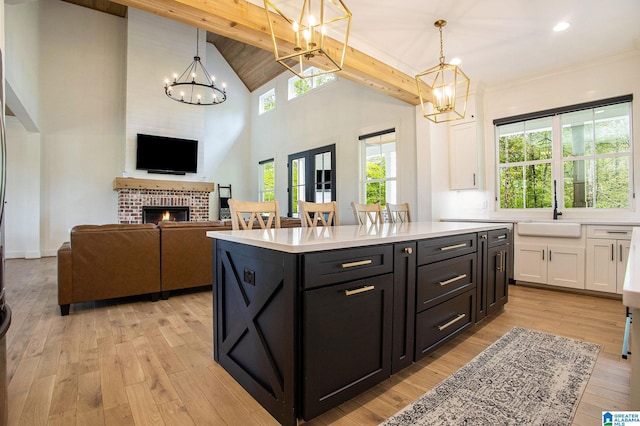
x=156, y=214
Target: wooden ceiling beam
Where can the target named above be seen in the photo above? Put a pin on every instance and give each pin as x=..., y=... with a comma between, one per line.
x=246, y=22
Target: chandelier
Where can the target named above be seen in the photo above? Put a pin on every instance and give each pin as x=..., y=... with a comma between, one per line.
x=195, y=86
x=309, y=36
x=443, y=89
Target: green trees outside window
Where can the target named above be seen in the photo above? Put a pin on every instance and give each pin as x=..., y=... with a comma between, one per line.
x=299, y=86
x=379, y=172
x=267, y=189
x=589, y=157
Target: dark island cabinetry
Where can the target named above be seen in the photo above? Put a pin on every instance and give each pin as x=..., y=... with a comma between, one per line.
x=495, y=258
x=445, y=302
x=347, y=304
x=303, y=331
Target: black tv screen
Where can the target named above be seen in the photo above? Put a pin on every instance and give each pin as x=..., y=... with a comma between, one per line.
x=160, y=154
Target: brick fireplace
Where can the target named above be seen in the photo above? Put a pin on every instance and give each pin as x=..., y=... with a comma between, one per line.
x=134, y=194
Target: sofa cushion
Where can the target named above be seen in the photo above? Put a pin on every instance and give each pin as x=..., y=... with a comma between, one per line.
x=114, y=261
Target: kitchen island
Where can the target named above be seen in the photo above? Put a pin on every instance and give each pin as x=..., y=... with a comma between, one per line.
x=307, y=318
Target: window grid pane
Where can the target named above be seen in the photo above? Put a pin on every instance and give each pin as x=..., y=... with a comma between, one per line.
x=595, y=164
x=380, y=169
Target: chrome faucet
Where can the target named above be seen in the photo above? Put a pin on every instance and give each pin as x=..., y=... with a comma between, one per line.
x=556, y=213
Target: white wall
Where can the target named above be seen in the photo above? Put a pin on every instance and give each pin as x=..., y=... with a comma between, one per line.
x=22, y=214
x=156, y=49
x=336, y=113
x=21, y=54
x=608, y=77
x=227, y=155
x=82, y=60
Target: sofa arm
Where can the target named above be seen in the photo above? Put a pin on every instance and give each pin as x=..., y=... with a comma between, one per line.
x=64, y=277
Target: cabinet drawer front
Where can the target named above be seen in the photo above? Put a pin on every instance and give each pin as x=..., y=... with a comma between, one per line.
x=436, y=249
x=619, y=232
x=498, y=236
x=338, y=266
x=443, y=321
x=444, y=279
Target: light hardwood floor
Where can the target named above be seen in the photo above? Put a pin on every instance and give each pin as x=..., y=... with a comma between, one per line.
x=137, y=362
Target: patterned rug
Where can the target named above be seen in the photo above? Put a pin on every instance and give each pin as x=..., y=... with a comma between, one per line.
x=524, y=378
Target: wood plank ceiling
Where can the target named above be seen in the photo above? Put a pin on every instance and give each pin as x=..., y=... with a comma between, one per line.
x=243, y=22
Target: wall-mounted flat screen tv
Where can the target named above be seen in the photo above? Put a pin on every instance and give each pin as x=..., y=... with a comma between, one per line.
x=160, y=154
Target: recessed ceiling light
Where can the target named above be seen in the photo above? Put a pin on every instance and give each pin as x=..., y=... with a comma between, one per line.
x=455, y=61
x=561, y=26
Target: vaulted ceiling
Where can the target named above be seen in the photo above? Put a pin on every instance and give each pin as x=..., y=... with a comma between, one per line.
x=498, y=41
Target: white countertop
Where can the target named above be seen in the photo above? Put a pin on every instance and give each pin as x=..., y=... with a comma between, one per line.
x=582, y=221
x=303, y=240
x=631, y=288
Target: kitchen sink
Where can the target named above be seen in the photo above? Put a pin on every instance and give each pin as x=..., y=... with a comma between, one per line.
x=557, y=229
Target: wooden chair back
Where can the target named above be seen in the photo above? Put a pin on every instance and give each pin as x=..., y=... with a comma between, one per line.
x=398, y=213
x=256, y=211
x=318, y=214
x=367, y=213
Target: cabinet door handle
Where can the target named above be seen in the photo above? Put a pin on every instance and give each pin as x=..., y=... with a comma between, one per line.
x=474, y=179
x=408, y=250
x=502, y=237
x=453, y=321
x=613, y=250
x=500, y=262
x=542, y=254
x=359, y=290
x=549, y=255
x=455, y=246
x=358, y=263
x=452, y=280
x=620, y=252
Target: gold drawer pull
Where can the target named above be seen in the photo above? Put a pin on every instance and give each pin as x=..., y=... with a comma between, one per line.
x=358, y=263
x=453, y=321
x=502, y=237
x=452, y=280
x=359, y=290
x=453, y=247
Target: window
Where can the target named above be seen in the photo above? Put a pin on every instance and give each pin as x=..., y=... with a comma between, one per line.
x=266, y=174
x=312, y=177
x=267, y=101
x=581, y=154
x=379, y=167
x=299, y=86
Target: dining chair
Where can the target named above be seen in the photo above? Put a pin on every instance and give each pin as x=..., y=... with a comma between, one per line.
x=367, y=213
x=398, y=213
x=256, y=211
x=314, y=214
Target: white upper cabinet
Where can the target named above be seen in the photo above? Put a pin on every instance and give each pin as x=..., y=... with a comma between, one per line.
x=466, y=149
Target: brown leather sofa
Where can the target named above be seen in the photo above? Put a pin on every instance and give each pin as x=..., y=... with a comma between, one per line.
x=186, y=253
x=109, y=261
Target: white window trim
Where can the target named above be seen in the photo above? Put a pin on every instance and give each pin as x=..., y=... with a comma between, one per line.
x=261, y=99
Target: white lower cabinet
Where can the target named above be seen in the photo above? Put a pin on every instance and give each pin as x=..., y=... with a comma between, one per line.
x=607, y=254
x=550, y=264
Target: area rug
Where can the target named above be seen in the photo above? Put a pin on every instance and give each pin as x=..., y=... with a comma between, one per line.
x=525, y=378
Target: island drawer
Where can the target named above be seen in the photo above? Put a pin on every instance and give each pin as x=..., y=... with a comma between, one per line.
x=336, y=266
x=444, y=279
x=498, y=237
x=436, y=249
x=443, y=321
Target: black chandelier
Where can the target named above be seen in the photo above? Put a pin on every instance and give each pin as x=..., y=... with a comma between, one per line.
x=195, y=86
